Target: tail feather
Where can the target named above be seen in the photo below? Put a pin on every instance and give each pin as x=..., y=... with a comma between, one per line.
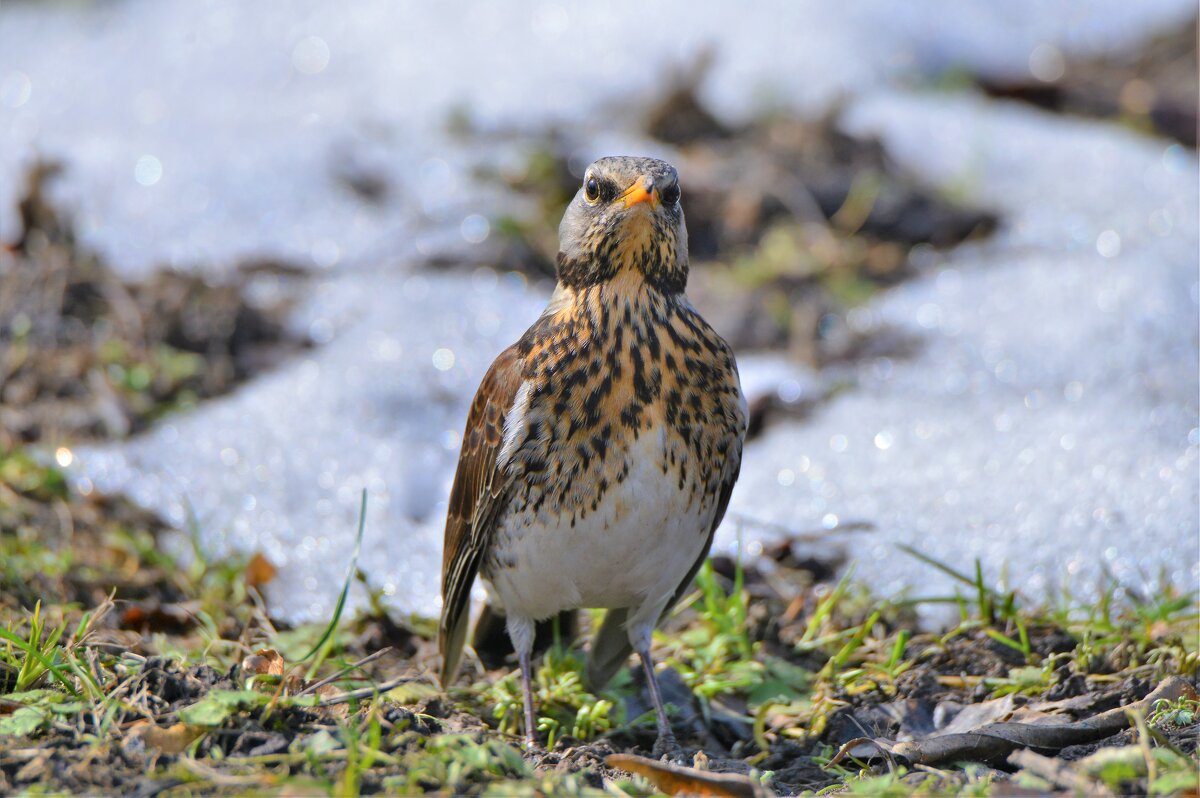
x=450, y=641
x=610, y=649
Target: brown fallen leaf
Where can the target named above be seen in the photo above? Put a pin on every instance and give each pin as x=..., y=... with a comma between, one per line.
x=156, y=616
x=269, y=662
x=265, y=661
x=1088, y=703
x=338, y=710
x=260, y=570
x=679, y=780
x=171, y=740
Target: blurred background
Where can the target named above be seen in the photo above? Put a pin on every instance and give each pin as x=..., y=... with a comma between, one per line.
x=256, y=258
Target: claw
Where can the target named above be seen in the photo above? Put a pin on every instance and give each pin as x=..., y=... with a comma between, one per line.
x=666, y=748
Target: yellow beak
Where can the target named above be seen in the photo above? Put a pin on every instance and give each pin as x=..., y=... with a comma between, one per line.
x=637, y=193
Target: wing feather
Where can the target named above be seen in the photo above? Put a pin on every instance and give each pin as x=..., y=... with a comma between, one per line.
x=475, y=500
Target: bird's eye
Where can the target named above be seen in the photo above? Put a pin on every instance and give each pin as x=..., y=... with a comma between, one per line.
x=591, y=188
x=670, y=194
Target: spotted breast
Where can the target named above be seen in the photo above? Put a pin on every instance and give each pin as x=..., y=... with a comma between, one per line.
x=626, y=429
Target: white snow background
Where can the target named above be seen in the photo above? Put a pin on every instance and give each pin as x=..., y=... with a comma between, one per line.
x=1048, y=426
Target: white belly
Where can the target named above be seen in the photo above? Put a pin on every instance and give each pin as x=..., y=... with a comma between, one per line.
x=632, y=551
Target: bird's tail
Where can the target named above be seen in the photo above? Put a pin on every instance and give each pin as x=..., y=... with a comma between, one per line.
x=610, y=649
x=450, y=644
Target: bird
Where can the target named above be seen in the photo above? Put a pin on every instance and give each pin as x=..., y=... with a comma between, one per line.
x=601, y=449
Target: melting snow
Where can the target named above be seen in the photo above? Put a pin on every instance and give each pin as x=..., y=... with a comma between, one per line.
x=1049, y=422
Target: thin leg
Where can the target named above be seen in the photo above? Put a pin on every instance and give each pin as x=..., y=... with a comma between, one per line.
x=527, y=689
x=520, y=631
x=665, y=744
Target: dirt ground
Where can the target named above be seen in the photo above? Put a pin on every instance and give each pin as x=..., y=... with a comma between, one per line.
x=184, y=685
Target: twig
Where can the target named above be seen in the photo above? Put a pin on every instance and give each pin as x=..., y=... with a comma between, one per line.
x=366, y=692
x=352, y=666
x=808, y=536
x=216, y=777
x=857, y=741
x=1143, y=739
x=1057, y=773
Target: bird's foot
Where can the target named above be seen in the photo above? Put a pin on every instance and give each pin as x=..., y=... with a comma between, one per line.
x=537, y=756
x=665, y=746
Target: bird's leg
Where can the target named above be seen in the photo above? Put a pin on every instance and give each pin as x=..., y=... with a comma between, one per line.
x=527, y=689
x=665, y=744
x=520, y=630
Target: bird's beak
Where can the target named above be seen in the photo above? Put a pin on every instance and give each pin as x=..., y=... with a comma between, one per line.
x=642, y=190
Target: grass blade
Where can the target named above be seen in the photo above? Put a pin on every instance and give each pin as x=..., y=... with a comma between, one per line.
x=32, y=652
x=350, y=570
x=938, y=564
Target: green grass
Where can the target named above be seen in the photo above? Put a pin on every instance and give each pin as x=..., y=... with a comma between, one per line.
x=715, y=654
x=320, y=649
x=63, y=681
x=563, y=705
x=23, y=476
x=713, y=651
x=32, y=653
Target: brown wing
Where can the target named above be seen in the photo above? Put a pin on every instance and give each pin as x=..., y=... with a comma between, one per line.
x=474, y=502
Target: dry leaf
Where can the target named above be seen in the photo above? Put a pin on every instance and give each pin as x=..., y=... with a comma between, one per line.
x=171, y=740
x=269, y=662
x=259, y=571
x=266, y=661
x=34, y=769
x=156, y=616
x=332, y=710
x=679, y=780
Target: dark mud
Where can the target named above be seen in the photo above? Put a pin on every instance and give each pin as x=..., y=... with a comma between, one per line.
x=1154, y=89
x=86, y=355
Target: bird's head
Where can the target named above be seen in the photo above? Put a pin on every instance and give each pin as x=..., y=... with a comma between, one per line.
x=625, y=218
